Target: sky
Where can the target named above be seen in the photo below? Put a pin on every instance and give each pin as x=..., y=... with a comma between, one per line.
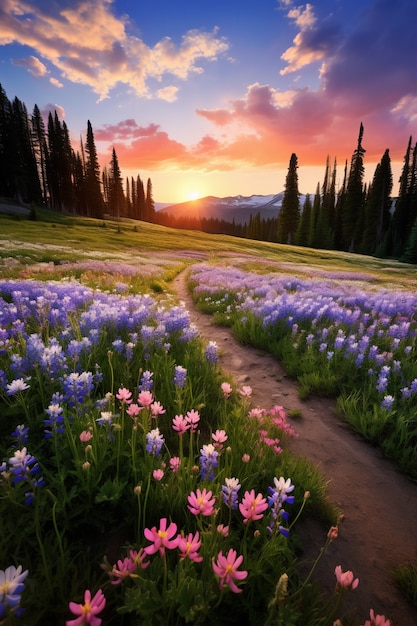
x=212, y=98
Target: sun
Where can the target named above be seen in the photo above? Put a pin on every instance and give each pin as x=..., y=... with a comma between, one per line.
x=193, y=195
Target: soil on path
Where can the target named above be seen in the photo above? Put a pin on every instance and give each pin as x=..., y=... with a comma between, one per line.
x=379, y=503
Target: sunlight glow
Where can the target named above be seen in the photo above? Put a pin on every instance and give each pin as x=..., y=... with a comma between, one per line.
x=193, y=195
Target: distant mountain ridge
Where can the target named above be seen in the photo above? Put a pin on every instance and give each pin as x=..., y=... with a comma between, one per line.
x=237, y=208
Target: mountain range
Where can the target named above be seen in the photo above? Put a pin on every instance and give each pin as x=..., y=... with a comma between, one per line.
x=237, y=208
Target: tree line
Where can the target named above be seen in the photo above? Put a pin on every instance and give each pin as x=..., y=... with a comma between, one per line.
x=39, y=166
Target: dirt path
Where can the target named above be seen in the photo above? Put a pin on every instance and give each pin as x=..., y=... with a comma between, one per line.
x=380, y=504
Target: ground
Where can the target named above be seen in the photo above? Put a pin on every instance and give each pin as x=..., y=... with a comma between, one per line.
x=379, y=503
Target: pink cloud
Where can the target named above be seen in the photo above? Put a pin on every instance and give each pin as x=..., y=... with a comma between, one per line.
x=33, y=65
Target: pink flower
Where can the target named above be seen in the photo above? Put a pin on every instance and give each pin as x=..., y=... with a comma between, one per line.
x=226, y=568
x=245, y=458
x=219, y=438
x=134, y=410
x=121, y=570
x=162, y=538
x=377, y=620
x=145, y=398
x=193, y=418
x=189, y=547
x=180, y=424
x=139, y=556
x=124, y=395
x=252, y=507
x=345, y=580
x=245, y=391
x=227, y=389
x=157, y=409
x=85, y=436
x=175, y=463
x=158, y=474
x=201, y=502
x=223, y=530
x=257, y=413
x=87, y=612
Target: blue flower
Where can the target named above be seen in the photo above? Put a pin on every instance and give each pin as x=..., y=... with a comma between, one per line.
x=154, y=441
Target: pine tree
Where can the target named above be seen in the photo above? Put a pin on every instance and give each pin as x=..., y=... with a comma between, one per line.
x=149, y=203
x=353, y=210
x=303, y=234
x=339, y=212
x=377, y=209
x=116, y=195
x=290, y=210
x=26, y=177
x=141, y=200
x=40, y=149
x=94, y=198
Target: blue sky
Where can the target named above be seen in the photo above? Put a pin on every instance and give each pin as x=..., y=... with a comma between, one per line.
x=212, y=98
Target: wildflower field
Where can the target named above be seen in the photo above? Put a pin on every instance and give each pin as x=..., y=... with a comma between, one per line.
x=138, y=484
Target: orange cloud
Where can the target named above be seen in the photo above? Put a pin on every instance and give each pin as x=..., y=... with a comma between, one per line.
x=89, y=45
x=33, y=65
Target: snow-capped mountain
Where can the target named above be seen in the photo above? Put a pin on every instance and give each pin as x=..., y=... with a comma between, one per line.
x=238, y=208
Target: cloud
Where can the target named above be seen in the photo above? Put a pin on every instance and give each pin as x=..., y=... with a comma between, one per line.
x=51, y=108
x=55, y=82
x=33, y=65
x=88, y=44
x=315, y=41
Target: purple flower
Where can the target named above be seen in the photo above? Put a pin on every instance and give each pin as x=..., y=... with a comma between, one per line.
x=154, y=441
x=208, y=460
x=180, y=376
x=230, y=492
x=211, y=352
x=387, y=402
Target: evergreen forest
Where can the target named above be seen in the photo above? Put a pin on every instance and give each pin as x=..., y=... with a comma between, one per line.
x=40, y=168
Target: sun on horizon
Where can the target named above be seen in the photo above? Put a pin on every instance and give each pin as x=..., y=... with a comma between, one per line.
x=193, y=195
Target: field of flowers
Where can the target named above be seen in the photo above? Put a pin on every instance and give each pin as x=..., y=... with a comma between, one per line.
x=137, y=484
x=340, y=334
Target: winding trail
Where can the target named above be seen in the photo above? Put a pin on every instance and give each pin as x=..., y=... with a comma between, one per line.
x=379, y=503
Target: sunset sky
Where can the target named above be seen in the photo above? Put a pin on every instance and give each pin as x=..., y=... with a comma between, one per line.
x=211, y=98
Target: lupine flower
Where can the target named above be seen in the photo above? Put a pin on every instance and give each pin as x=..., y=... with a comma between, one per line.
x=279, y=496
x=21, y=434
x=87, y=612
x=387, y=402
x=106, y=418
x=230, y=492
x=252, y=507
x=162, y=538
x=208, y=461
x=227, y=389
x=226, y=568
x=219, y=438
x=11, y=588
x=124, y=395
x=376, y=620
x=211, y=352
x=146, y=382
x=189, y=547
x=154, y=441
x=345, y=580
x=180, y=424
x=175, y=463
x=16, y=385
x=180, y=376
x=55, y=420
x=201, y=502
x=193, y=419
